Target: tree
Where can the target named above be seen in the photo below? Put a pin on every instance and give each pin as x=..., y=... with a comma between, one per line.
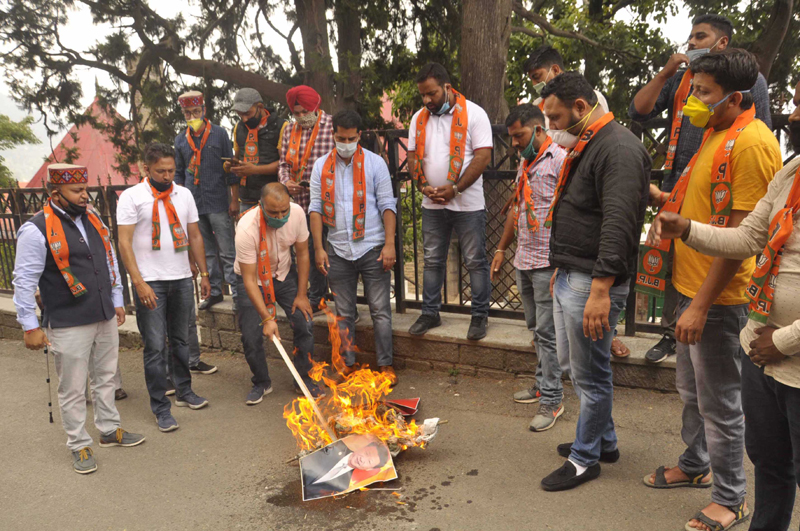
x=13, y=134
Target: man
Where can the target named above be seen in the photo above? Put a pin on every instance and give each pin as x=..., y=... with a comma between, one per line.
x=265, y=276
x=540, y=164
x=66, y=251
x=669, y=90
x=256, y=146
x=154, y=219
x=341, y=466
x=722, y=183
x=351, y=192
x=449, y=146
x=771, y=368
x=199, y=154
x=307, y=140
x=596, y=219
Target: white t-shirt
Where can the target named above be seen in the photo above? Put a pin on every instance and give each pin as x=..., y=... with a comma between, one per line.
x=436, y=162
x=135, y=207
x=600, y=99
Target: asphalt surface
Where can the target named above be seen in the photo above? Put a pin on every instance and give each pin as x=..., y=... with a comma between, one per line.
x=225, y=468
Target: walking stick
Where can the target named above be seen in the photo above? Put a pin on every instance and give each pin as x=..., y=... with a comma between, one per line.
x=303, y=387
x=49, y=390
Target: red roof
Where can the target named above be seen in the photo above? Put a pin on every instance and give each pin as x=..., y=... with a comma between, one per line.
x=95, y=151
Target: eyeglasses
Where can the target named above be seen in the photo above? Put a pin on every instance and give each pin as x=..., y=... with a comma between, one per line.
x=197, y=113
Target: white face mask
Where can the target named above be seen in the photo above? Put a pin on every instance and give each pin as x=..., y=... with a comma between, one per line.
x=346, y=150
x=563, y=138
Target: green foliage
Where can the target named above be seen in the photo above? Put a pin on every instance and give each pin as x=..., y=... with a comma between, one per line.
x=13, y=134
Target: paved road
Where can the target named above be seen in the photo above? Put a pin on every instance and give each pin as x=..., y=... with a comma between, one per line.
x=225, y=467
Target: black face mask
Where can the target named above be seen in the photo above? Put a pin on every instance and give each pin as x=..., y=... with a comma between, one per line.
x=253, y=122
x=161, y=187
x=72, y=209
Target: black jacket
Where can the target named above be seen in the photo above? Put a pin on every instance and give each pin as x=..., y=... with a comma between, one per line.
x=320, y=463
x=268, y=138
x=597, y=223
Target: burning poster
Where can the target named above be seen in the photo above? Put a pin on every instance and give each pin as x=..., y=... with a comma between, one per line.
x=346, y=465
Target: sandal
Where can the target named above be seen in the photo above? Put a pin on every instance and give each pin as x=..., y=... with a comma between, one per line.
x=661, y=482
x=740, y=511
x=619, y=349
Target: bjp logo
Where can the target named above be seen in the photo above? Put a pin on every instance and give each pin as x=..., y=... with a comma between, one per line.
x=761, y=260
x=328, y=182
x=652, y=262
x=721, y=197
x=251, y=149
x=56, y=247
x=360, y=222
x=360, y=194
x=329, y=209
x=177, y=231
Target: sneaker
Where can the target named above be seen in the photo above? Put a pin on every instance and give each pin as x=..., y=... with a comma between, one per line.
x=664, y=348
x=546, y=417
x=120, y=394
x=315, y=390
x=83, y=461
x=528, y=396
x=191, y=400
x=388, y=370
x=424, y=323
x=605, y=457
x=209, y=302
x=170, y=388
x=166, y=422
x=477, y=328
x=257, y=394
x=203, y=368
x=567, y=477
x=121, y=437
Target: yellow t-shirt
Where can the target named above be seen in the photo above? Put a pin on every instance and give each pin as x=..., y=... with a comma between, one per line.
x=755, y=159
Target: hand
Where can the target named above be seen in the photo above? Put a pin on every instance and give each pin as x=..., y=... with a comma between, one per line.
x=147, y=295
x=195, y=271
x=271, y=329
x=553, y=282
x=388, y=257
x=654, y=197
x=302, y=303
x=667, y=226
x=430, y=193
x=674, y=64
x=233, y=208
x=294, y=188
x=36, y=340
x=762, y=350
x=244, y=169
x=120, y=316
x=689, y=328
x=226, y=166
x=205, y=288
x=321, y=258
x=595, y=315
x=443, y=194
x=497, y=263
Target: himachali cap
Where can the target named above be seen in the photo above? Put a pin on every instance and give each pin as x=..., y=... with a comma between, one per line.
x=245, y=99
x=67, y=174
x=193, y=98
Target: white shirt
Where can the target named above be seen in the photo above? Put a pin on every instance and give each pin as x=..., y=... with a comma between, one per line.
x=135, y=207
x=341, y=468
x=600, y=99
x=436, y=161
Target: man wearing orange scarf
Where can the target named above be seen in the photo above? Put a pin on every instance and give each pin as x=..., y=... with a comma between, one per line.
x=158, y=231
x=66, y=250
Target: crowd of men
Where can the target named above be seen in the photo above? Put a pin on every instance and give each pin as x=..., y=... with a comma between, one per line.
x=314, y=210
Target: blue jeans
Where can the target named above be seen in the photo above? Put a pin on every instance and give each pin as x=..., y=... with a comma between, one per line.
x=534, y=290
x=217, y=231
x=588, y=361
x=470, y=227
x=343, y=278
x=317, y=282
x=170, y=319
x=194, y=346
x=253, y=337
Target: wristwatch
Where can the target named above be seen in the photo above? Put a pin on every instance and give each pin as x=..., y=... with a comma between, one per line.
x=456, y=190
x=204, y=274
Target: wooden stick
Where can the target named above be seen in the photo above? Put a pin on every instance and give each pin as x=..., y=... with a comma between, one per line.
x=303, y=387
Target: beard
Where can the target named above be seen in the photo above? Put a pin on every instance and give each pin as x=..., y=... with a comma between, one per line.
x=794, y=135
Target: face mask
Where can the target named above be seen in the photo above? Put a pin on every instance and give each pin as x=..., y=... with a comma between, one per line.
x=699, y=52
x=275, y=223
x=195, y=124
x=699, y=113
x=346, y=150
x=307, y=121
x=72, y=209
x=566, y=139
x=253, y=122
x=539, y=87
x=160, y=187
x=529, y=153
x=445, y=106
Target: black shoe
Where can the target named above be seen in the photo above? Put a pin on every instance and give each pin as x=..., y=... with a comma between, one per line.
x=606, y=457
x=477, y=328
x=424, y=323
x=664, y=348
x=170, y=388
x=120, y=394
x=203, y=368
x=566, y=477
x=209, y=302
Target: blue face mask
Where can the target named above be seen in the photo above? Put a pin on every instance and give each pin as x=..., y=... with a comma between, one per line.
x=445, y=106
x=275, y=223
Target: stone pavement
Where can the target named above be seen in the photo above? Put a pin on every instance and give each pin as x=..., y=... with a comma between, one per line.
x=225, y=468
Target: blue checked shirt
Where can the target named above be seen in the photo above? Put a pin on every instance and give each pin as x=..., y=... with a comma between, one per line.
x=211, y=193
x=691, y=137
x=379, y=199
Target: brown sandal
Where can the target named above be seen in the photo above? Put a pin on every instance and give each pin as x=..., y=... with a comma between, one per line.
x=619, y=349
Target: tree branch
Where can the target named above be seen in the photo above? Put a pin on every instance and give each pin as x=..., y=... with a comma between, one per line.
x=211, y=27
x=526, y=31
x=543, y=23
x=769, y=41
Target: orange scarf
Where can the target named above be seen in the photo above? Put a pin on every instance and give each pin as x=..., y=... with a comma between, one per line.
x=251, y=144
x=652, y=274
x=458, y=140
x=525, y=192
x=264, y=268
x=761, y=287
x=677, y=116
x=297, y=166
x=194, y=162
x=359, y=193
x=571, y=158
x=179, y=239
x=57, y=241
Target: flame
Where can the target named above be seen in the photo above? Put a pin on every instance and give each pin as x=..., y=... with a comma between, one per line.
x=352, y=406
